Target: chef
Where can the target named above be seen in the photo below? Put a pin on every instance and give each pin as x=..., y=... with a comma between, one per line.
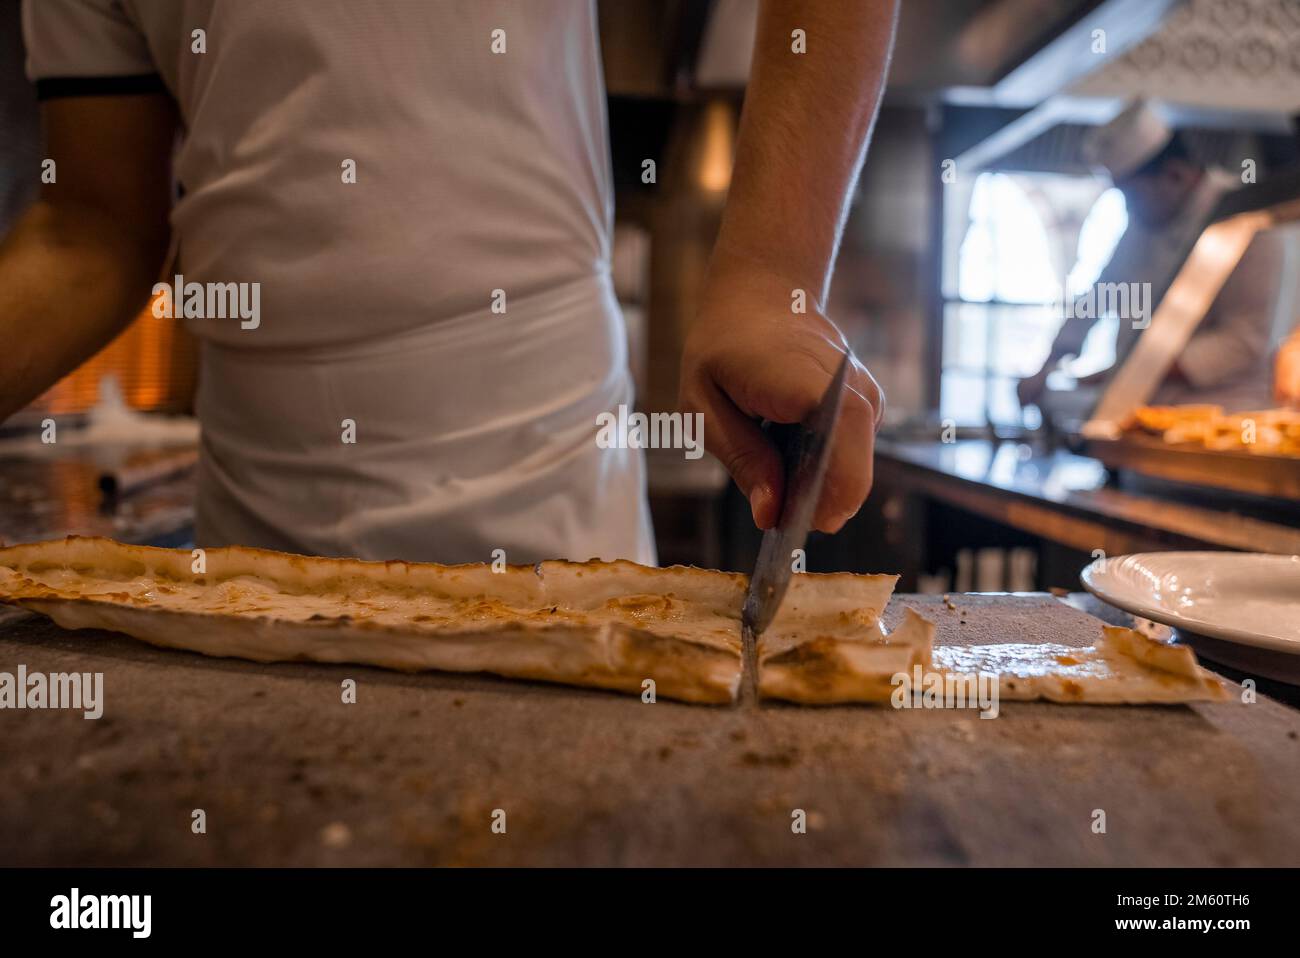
x=1170, y=198
x=416, y=197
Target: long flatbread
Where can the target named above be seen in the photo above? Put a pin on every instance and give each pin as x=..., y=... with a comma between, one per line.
x=609, y=625
x=604, y=625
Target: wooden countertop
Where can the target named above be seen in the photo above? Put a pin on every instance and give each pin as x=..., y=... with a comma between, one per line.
x=1066, y=498
x=410, y=775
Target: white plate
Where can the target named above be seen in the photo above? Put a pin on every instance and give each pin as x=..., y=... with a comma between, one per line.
x=1230, y=598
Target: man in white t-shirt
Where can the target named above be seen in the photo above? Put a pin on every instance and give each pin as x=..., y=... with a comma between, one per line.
x=413, y=201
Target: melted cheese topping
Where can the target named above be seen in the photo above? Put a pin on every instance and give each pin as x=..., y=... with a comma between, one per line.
x=1124, y=667
x=1027, y=660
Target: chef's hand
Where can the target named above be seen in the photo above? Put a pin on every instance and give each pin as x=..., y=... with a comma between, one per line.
x=1286, y=379
x=1030, y=389
x=803, y=133
x=749, y=357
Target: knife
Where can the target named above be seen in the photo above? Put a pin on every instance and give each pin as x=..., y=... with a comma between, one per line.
x=805, y=448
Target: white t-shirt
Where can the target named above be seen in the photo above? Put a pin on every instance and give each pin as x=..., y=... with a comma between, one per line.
x=454, y=302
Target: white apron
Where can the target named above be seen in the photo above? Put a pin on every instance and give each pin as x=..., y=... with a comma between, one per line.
x=450, y=462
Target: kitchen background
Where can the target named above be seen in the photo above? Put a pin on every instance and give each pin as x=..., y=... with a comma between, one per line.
x=944, y=285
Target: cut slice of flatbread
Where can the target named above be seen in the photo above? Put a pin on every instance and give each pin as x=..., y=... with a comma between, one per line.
x=1125, y=667
x=827, y=669
x=605, y=625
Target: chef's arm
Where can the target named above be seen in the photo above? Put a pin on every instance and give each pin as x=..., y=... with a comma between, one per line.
x=1119, y=268
x=1069, y=339
x=803, y=135
x=1068, y=342
x=1240, y=336
x=80, y=262
x=761, y=347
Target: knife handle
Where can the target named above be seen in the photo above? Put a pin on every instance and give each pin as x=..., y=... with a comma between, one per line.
x=789, y=439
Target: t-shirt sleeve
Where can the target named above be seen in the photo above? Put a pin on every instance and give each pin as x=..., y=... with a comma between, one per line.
x=86, y=48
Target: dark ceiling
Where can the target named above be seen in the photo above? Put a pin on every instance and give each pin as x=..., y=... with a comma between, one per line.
x=652, y=47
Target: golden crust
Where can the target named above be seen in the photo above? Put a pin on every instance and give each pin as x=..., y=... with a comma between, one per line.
x=605, y=625
x=830, y=670
x=602, y=625
x=1124, y=668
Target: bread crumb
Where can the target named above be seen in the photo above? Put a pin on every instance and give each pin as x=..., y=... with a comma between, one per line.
x=336, y=835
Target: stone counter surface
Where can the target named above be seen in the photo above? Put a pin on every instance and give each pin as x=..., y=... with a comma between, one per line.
x=412, y=773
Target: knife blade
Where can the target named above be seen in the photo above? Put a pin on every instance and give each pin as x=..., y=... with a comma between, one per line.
x=805, y=449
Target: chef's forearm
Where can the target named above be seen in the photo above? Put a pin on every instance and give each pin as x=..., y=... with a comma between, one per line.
x=804, y=131
x=71, y=278
x=1069, y=339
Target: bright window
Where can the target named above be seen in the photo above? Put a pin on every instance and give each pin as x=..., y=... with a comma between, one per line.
x=1015, y=245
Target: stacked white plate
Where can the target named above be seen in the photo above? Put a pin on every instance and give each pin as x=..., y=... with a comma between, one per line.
x=1240, y=609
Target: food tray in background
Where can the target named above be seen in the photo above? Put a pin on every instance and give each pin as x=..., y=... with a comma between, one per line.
x=1260, y=474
